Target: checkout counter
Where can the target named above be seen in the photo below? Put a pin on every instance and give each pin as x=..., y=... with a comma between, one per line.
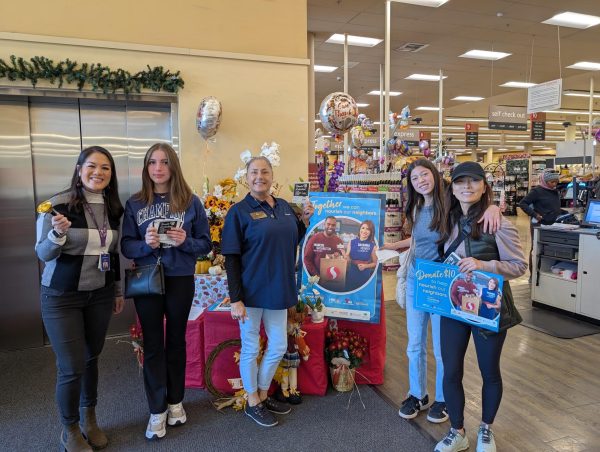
x=566, y=260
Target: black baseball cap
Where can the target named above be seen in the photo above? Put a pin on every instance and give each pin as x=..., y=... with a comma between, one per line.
x=470, y=169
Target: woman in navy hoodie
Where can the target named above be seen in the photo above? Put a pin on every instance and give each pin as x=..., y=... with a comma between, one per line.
x=165, y=195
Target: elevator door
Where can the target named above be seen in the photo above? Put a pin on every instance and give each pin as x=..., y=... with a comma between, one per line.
x=19, y=276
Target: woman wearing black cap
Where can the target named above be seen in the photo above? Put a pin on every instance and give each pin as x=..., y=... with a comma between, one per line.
x=467, y=199
x=542, y=203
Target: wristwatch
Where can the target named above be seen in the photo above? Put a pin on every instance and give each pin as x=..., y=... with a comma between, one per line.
x=58, y=235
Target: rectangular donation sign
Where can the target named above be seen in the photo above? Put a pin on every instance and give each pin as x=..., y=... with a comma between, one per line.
x=473, y=297
x=339, y=261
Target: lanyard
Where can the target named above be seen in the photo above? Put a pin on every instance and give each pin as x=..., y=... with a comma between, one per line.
x=102, y=232
x=272, y=209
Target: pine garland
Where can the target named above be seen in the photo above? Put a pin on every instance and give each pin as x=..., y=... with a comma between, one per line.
x=98, y=76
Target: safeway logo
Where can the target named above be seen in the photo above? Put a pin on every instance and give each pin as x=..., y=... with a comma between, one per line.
x=333, y=273
x=470, y=306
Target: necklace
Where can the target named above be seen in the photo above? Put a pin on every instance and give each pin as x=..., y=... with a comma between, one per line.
x=272, y=214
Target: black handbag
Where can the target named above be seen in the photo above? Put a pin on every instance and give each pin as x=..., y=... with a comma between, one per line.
x=146, y=280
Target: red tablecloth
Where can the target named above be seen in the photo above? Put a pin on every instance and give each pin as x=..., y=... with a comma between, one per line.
x=371, y=369
x=219, y=327
x=194, y=338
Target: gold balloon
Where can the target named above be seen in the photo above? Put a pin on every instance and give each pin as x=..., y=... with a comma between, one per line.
x=46, y=207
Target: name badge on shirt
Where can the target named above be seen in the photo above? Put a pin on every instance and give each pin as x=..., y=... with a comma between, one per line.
x=104, y=262
x=258, y=215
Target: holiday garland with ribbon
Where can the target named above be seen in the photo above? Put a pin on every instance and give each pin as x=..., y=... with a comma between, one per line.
x=98, y=76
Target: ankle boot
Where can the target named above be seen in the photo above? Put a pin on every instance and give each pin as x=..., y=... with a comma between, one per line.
x=89, y=427
x=72, y=440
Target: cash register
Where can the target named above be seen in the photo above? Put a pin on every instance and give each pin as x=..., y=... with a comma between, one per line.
x=591, y=219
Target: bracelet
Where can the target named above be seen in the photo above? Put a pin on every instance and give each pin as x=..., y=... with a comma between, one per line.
x=57, y=234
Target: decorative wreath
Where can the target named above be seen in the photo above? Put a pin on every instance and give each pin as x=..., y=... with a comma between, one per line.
x=209, y=363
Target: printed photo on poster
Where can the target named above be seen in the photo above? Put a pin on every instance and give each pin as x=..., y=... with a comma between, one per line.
x=473, y=297
x=339, y=254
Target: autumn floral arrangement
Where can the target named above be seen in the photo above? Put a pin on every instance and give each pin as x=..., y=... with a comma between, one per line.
x=216, y=204
x=344, y=352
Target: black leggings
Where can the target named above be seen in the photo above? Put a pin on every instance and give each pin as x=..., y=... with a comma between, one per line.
x=454, y=336
x=164, y=359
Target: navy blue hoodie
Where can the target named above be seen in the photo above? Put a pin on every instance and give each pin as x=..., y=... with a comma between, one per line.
x=177, y=261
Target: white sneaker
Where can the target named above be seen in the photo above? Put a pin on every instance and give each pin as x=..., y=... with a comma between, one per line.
x=452, y=442
x=176, y=414
x=157, y=426
x=485, y=439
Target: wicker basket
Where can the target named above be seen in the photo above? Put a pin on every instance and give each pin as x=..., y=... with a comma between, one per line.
x=342, y=378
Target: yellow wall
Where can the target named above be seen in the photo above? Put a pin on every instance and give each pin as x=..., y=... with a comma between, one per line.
x=262, y=101
x=263, y=27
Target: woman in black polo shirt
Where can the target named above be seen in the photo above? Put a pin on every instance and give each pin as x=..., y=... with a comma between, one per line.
x=260, y=240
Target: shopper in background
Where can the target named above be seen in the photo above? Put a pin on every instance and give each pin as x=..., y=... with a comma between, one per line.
x=81, y=289
x=501, y=253
x=425, y=214
x=260, y=240
x=164, y=195
x=542, y=203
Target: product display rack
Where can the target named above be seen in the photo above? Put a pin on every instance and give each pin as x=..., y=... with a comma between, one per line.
x=536, y=167
x=495, y=176
x=518, y=171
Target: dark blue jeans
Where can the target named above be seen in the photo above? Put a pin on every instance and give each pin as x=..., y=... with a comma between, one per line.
x=76, y=323
x=454, y=337
x=164, y=348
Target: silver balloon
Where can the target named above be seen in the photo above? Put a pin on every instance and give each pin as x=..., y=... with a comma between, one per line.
x=423, y=145
x=338, y=113
x=208, y=118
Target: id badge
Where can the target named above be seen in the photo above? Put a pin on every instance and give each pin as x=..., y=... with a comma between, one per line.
x=104, y=262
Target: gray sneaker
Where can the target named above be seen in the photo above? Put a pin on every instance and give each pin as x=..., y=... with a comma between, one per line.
x=176, y=414
x=453, y=442
x=156, y=428
x=485, y=439
x=260, y=415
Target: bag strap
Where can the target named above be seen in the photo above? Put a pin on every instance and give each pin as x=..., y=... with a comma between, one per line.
x=462, y=235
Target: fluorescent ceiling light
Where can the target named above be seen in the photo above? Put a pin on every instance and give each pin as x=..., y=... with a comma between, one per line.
x=485, y=55
x=573, y=20
x=467, y=119
x=362, y=105
x=586, y=66
x=428, y=108
x=376, y=92
x=518, y=84
x=468, y=98
x=319, y=68
x=569, y=112
x=317, y=120
x=431, y=3
x=425, y=77
x=575, y=93
x=360, y=41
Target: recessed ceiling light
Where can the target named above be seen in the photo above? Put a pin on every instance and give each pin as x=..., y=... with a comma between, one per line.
x=319, y=68
x=362, y=105
x=428, y=108
x=586, y=66
x=376, y=92
x=360, y=41
x=431, y=3
x=317, y=120
x=468, y=98
x=518, y=84
x=485, y=55
x=425, y=77
x=573, y=20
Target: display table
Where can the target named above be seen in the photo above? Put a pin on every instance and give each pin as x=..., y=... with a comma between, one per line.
x=219, y=327
x=208, y=290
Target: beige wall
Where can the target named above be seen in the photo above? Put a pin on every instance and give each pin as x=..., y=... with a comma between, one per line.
x=263, y=27
x=262, y=101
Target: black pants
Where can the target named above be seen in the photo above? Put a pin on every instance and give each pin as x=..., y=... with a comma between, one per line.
x=164, y=348
x=76, y=323
x=454, y=336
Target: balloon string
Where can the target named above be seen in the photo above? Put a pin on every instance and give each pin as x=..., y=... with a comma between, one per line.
x=206, y=153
